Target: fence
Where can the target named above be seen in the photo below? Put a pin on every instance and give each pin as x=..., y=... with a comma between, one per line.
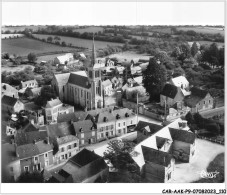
x=212, y=140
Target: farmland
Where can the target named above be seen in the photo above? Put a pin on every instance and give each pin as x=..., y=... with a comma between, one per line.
x=80, y=42
x=24, y=46
x=205, y=30
x=128, y=55
x=91, y=29
x=7, y=36
x=20, y=28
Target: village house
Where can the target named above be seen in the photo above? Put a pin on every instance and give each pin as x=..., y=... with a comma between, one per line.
x=85, y=131
x=82, y=88
x=11, y=104
x=171, y=95
x=84, y=167
x=30, y=83
x=199, y=100
x=158, y=167
x=35, y=156
x=107, y=87
x=9, y=90
x=181, y=82
x=54, y=108
x=145, y=130
x=155, y=154
x=32, y=92
x=63, y=59
x=65, y=142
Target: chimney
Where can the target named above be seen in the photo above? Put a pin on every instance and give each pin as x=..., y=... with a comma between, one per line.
x=34, y=141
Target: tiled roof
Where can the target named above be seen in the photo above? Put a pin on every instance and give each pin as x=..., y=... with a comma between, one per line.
x=36, y=90
x=31, y=106
x=29, y=128
x=182, y=135
x=75, y=116
x=170, y=91
x=84, y=157
x=79, y=80
x=53, y=103
x=86, y=125
x=198, y=92
x=66, y=139
x=160, y=141
x=6, y=87
x=156, y=156
x=22, y=137
x=177, y=81
x=196, y=96
x=60, y=130
x=7, y=100
x=62, y=79
x=152, y=127
x=33, y=149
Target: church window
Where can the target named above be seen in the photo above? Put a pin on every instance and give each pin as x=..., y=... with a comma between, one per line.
x=81, y=93
x=96, y=74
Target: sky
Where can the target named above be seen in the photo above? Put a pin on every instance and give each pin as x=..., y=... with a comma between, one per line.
x=113, y=13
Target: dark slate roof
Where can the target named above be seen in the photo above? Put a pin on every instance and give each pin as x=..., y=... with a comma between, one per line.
x=79, y=80
x=66, y=139
x=170, y=91
x=53, y=103
x=90, y=170
x=30, y=150
x=182, y=135
x=84, y=157
x=31, y=106
x=198, y=92
x=7, y=100
x=75, y=116
x=29, y=128
x=86, y=125
x=156, y=156
x=196, y=96
x=59, y=130
x=23, y=137
x=153, y=127
x=160, y=141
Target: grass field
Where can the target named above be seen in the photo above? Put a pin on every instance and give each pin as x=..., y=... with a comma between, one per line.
x=15, y=68
x=81, y=42
x=128, y=55
x=24, y=46
x=91, y=29
x=205, y=30
x=20, y=28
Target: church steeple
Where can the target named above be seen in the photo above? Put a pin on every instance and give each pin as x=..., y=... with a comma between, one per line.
x=93, y=52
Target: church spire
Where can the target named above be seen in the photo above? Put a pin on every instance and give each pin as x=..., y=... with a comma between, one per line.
x=93, y=52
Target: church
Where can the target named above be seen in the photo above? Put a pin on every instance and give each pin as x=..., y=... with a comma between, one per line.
x=83, y=88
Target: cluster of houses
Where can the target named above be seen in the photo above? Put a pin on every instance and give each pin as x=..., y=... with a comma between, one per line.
x=41, y=139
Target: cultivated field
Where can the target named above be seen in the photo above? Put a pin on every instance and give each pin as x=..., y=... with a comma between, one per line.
x=14, y=68
x=91, y=29
x=80, y=42
x=7, y=36
x=205, y=30
x=20, y=28
x=24, y=46
x=128, y=56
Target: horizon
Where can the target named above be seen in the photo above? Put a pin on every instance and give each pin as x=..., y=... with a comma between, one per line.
x=113, y=13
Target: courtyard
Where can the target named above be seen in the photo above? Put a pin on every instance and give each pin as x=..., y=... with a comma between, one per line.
x=205, y=153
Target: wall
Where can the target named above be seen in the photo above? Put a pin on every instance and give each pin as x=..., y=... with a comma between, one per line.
x=201, y=106
x=15, y=173
x=153, y=173
x=18, y=106
x=103, y=174
x=181, y=146
x=104, y=124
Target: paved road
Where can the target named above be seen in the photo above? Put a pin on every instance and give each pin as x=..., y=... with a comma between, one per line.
x=210, y=113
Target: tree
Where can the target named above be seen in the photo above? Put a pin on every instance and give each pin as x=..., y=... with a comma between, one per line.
x=194, y=49
x=222, y=57
x=184, y=52
x=63, y=43
x=32, y=57
x=162, y=56
x=154, y=78
x=118, y=154
x=50, y=39
x=189, y=118
x=47, y=92
x=178, y=72
x=34, y=177
x=17, y=60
